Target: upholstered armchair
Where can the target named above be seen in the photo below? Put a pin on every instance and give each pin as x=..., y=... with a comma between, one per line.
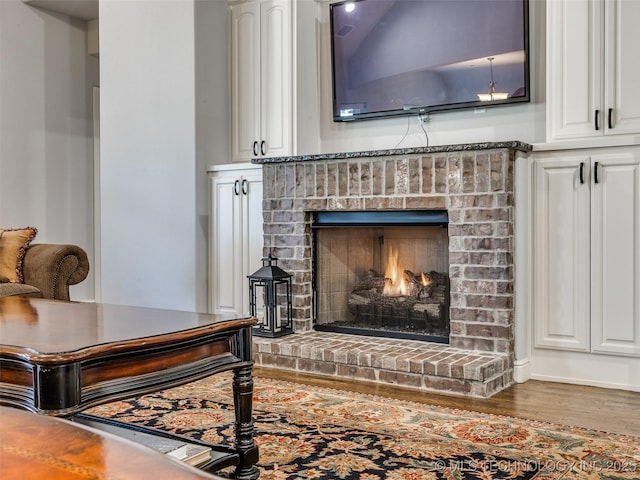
x=49, y=270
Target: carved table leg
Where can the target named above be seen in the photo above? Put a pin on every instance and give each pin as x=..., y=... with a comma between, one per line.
x=244, y=442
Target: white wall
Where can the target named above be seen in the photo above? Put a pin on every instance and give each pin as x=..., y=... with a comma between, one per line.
x=159, y=130
x=46, y=170
x=524, y=122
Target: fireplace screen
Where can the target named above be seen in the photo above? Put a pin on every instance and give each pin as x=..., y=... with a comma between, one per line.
x=382, y=274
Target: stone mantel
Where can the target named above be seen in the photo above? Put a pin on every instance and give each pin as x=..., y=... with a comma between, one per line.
x=462, y=147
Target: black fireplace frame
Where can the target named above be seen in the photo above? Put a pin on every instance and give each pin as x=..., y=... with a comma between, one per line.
x=371, y=218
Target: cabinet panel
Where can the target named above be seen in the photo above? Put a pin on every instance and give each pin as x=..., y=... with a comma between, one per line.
x=622, y=72
x=226, y=246
x=276, y=84
x=561, y=250
x=616, y=254
x=575, y=36
x=253, y=231
x=236, y=237
x=245, y=78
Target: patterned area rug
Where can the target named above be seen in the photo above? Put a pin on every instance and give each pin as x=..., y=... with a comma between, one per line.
x=308, y=432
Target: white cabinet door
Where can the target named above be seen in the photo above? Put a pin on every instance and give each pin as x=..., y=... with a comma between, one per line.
x=561, y=253
x=622, y=67
x=245, y=80
x=235, y=237
x=226, y=245
x=261, y=79
x=252, y=235
x=615, y=247
x=276, y=79
x=592, y=68
x=574, y=82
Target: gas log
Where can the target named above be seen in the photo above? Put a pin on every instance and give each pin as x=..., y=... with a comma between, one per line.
x=424, y=306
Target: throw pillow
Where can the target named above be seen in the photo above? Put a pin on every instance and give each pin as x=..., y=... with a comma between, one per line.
x=13, y=247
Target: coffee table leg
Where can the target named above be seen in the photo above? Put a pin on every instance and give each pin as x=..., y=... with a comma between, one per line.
x=244, y=429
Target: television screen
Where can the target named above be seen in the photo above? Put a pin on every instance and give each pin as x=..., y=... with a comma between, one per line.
x=399, y=57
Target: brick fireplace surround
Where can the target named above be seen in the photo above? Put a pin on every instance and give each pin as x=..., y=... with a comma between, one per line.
x=475, y=184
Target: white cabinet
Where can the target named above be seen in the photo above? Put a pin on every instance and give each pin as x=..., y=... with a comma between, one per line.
x=235, y=236
x=586, y=251
x=593, y=70
x=261, y=79
x=615, y=259
x=561, y=253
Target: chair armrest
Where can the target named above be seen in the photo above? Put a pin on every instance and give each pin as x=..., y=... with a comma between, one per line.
x=52, y=268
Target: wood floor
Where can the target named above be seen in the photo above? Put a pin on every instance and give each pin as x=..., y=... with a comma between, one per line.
x=615, y=411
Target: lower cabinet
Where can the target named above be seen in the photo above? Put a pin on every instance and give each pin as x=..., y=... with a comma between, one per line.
x=235, y=235
x=586, y=251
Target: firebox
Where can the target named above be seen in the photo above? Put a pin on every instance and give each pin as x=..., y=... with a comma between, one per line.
x=382, y=273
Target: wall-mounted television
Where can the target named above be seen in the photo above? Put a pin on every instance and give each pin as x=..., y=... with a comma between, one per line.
x=400, y=57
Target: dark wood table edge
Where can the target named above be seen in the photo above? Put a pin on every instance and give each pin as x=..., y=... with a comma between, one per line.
x=38, y=447
x=49, y=372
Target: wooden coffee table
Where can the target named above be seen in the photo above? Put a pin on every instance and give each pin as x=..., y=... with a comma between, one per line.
x=28, y=452
x=59, y=358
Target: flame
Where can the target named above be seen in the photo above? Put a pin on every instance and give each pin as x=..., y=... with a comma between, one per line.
x=425, y=281
x=396, y=284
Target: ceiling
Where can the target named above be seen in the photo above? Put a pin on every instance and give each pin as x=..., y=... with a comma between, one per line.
x=83, y=9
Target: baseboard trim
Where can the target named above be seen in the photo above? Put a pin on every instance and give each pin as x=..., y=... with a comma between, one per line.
x=522, y=370
x=589, y=382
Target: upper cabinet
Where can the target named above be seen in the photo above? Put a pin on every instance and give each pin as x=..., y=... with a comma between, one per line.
x=593, y=71
x=261, y=79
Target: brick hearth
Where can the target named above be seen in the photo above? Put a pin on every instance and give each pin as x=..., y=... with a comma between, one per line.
x=409, y=363
x=475, y=184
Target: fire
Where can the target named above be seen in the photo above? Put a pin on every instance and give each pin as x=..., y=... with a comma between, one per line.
x=394, y=273
x=396, y=281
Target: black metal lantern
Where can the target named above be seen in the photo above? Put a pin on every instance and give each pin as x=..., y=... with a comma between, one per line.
x=270, y=299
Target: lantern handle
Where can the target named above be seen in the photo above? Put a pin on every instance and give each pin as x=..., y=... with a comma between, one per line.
x=270, y=259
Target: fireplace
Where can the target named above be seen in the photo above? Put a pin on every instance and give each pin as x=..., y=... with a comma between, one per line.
x=473, y=185
x=381, y=273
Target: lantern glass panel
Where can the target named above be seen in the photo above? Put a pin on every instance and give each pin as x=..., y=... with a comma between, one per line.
x=270, y=303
